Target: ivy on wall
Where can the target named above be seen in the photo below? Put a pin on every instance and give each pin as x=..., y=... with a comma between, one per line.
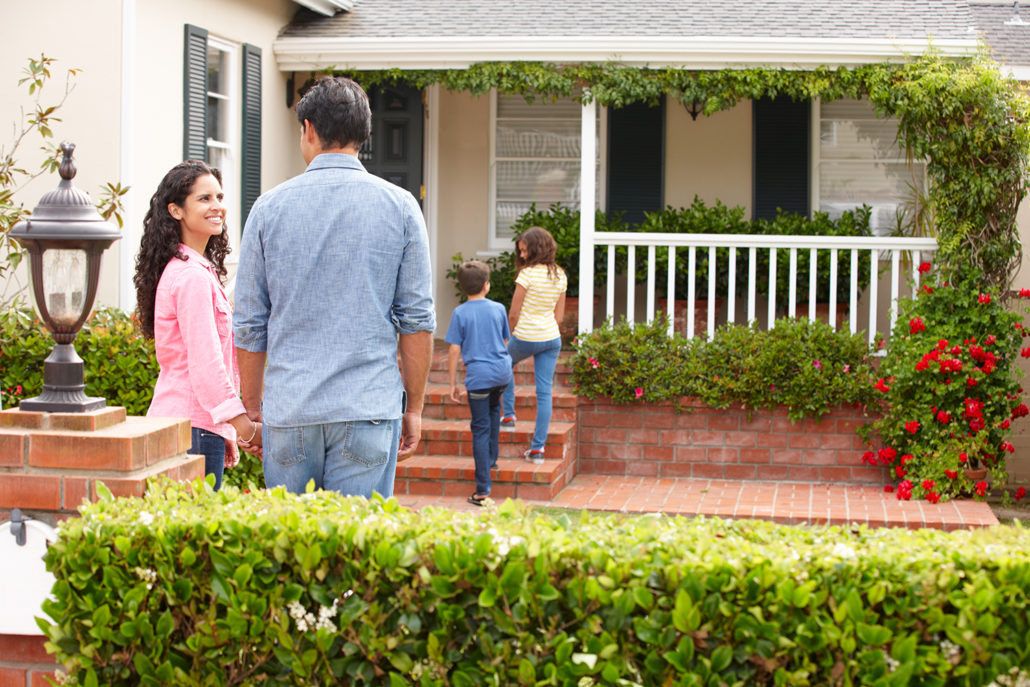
x=968, y=121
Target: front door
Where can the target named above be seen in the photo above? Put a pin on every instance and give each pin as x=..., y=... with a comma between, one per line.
x=394, y=151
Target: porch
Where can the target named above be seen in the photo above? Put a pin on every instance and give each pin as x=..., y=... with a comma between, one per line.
x=801, y=480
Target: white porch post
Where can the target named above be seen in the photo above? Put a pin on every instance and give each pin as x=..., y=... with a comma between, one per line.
x=587, y=190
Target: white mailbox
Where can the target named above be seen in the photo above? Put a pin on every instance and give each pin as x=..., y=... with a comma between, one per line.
x=24, y=580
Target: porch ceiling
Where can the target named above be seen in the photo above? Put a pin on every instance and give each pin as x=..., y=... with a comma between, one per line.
x=699, y=34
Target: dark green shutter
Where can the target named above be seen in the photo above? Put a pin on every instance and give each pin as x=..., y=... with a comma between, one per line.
x=636, y=160
x=250, y=173
x=194, y=94
x=781, y=140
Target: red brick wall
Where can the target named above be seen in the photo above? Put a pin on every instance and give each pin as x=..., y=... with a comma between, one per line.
x=24, y=662
x=654, y=440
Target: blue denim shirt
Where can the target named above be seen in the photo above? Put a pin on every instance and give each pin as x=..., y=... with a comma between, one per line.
x=334, y=264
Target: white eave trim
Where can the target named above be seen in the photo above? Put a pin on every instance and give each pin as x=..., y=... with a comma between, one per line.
x=301, y=54
x=327, y=7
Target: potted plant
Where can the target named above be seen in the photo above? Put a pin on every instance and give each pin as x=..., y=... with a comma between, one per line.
x=950, y=389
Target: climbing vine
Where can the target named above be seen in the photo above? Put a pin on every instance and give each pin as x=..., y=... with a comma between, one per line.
x=968, y=121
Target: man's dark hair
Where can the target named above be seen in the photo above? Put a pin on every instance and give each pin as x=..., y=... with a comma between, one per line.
x=338, y=109
x=472, y=276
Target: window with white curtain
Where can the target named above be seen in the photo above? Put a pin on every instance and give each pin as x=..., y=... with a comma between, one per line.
x=858, y=161
x=535, y=158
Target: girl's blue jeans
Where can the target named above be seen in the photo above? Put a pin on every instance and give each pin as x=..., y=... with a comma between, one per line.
x=212, y=447
x=545, y=359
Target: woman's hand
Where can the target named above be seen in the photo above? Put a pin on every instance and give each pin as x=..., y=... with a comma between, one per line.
x=232, y=454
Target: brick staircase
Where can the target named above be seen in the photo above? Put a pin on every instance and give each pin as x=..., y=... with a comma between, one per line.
x=444, y=466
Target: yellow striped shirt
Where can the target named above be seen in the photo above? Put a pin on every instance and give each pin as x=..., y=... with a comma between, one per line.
x=536, y=318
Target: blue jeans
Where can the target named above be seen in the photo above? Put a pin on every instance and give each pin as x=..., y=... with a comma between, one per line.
x=485, y=405
x=212, y=447
x=545, y=359
x=353, y=458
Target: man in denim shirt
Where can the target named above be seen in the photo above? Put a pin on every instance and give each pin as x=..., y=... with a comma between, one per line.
x=334, y=280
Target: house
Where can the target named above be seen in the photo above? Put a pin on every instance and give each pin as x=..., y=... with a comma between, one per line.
x=475, y=160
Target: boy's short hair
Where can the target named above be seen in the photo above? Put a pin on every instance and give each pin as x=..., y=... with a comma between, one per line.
x=473, y=276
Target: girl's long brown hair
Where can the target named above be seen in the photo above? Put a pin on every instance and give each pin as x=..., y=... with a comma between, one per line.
x=162, y=236
x=540, y=250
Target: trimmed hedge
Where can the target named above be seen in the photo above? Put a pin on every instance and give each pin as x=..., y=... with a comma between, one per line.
x=189, y=587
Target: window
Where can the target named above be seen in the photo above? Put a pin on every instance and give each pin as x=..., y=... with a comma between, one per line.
x=535, y=158
x=858, y=161
x=222, y=115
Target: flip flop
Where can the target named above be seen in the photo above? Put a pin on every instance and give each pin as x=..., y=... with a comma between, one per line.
x=477, y=501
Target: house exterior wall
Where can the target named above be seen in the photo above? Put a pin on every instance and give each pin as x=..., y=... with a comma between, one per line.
x=463, y=193
x=709, y=157
x=90, y=36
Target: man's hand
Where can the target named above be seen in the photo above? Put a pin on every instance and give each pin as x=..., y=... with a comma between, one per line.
x=411, y=434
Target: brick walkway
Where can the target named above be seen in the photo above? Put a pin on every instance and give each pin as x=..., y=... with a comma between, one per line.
x=783, y=502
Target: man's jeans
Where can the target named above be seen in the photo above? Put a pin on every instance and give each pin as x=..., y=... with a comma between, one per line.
x=354, y=458
x=545, y=359
x=485, y=405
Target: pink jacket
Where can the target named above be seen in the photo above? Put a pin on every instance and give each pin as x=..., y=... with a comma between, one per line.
x=199, y=378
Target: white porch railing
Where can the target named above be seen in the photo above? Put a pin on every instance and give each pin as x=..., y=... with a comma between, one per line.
x=875, y=250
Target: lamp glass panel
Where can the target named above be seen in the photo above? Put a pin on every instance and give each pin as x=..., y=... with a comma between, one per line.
x=65, y=276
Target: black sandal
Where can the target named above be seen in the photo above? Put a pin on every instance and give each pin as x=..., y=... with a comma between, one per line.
x=477, y=499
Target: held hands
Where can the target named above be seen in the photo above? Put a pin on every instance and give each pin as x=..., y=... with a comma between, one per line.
x=251, y=444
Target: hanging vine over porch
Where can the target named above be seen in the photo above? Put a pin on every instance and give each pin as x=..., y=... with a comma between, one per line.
x=963, y=117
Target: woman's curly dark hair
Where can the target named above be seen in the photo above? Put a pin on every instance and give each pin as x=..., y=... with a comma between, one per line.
x=162, y=236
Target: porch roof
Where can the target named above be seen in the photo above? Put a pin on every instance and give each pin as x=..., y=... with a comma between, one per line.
x=1007, y=30
x=703, y=34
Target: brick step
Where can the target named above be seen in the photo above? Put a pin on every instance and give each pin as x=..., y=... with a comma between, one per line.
x=523, y=371
x=455, y=476
x=439, y=406
x=454, y=438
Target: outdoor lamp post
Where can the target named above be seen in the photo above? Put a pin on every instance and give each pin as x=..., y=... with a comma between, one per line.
x=65, y=237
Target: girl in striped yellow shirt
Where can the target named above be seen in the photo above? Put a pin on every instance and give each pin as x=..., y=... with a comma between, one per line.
x=536, y=309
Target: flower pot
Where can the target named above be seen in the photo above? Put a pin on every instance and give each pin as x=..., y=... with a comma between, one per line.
x=679, y=323
x=976, y=474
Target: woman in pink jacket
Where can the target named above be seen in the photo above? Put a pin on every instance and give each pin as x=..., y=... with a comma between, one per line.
x=182, y=305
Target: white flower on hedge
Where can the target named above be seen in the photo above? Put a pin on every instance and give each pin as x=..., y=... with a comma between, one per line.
x=950, y=649
x=145, y=517
x=307, y=621
x=892, y=663
x=844, y=551
x=60, y=677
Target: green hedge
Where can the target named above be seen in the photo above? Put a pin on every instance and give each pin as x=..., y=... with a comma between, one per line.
x=806, y=366
x=189, y=587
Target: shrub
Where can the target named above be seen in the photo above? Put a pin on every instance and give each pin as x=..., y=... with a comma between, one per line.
x=502, y=277
x=950, y=384
x=119, y=362
x=189, y=587
x=806, y=366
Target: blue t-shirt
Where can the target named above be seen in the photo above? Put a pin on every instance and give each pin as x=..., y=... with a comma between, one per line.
x=480, y=327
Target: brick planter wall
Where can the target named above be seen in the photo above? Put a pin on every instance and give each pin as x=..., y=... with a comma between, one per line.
x=654, y=440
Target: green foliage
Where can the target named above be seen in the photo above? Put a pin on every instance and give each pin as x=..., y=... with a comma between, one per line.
x=967, y=120
x=13, y=177
x=189, y=587
x=850, y=223
x=119, y=362
x=806, y=366
x=950, y=384
x=502, y=277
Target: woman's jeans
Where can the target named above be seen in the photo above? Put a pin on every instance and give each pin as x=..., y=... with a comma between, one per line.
x=485, y=406
x=545, y=359
x=212, y=447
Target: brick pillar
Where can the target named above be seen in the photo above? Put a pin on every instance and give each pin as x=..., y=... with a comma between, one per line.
x=51, y=462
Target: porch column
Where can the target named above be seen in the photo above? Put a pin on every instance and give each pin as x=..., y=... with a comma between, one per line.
x=587, y=190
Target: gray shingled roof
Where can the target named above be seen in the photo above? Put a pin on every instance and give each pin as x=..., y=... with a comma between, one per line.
x=873, y=19
x=1009, y=42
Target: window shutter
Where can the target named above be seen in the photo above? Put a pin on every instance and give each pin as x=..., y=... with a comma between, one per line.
x=636, y=162
x=250, y=173
x=781, y=140
x=194, y=94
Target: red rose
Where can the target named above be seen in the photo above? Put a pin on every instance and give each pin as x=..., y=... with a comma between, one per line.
x=962, y=458
x=881, y=386
x=942, y=344
x=912, y=426
x=928, y=484
x=981, y=488
x=924, y=267
x=900, y=471
x=1020, y=411
x=943, y=417
x=1021, y=492
x=1024, y=293
x=951, y=474
x=984, y=298
x=933, y=497
x=915, y=325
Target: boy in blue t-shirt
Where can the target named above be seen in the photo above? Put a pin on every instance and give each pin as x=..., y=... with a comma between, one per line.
x=479, y=333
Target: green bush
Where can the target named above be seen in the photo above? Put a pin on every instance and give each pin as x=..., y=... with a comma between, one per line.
x=806, y=366
x=119, y=362
x=950, y=385
x=188, y=587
